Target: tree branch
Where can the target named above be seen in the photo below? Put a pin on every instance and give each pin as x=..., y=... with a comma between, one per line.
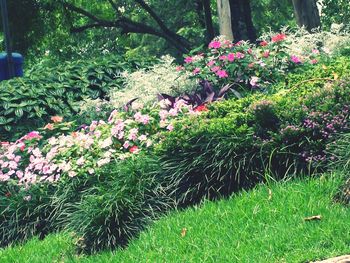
x=127, y=26
x=162, y=25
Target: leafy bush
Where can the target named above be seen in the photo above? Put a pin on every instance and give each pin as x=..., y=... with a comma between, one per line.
x=111, y=212
x=28, y=102
x=302, y=43
x=238, y=140
x=35, y=158
x=24, y=213
x=246, y=65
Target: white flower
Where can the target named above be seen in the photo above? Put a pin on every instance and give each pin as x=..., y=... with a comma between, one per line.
x=106, y=143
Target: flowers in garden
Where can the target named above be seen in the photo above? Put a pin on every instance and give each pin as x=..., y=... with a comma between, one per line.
x=226, y=62
x=33, y=159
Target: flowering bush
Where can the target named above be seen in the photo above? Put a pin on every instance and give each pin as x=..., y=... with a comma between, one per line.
x=301, y=42
x=147, y=84
x=245, y=64
x=30, y=159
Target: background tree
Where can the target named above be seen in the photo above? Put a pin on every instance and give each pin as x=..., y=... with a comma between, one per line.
x=224, y=14
x=307, y=14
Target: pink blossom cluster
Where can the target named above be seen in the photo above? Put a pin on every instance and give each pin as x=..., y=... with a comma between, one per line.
x=33, y=159
x=242, y=62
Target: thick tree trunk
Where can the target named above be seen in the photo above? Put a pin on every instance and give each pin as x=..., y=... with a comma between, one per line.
x=247, y=13
x=307, y=14
x=241, y=20
x=224, y=14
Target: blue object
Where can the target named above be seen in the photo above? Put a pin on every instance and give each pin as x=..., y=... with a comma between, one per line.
x=17, y=60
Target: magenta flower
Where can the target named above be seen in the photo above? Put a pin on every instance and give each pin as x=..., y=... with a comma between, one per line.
x=196, y=71
x=211, y=63
x=215, y=44
x=295, y=59
x=239, y=55
x=188, y=59
x=215, y=69
x=223, y=57
x=231, y=57
x=222, y=74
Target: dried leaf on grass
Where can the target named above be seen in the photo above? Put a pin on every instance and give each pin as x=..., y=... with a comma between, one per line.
x=311, y=218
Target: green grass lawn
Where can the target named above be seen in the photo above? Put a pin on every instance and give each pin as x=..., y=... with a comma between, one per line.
x=265, y=224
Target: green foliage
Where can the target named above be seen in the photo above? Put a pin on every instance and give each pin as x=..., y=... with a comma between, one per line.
x=256, y=223
x=339, y=151
x=272, y=15
x=238, y=140
x=335, y=12
x=28, y=102
x=110, y=208
x=24, y=212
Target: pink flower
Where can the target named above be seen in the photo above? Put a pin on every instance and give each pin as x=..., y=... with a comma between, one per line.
x=223, y=57
x=188, y=59
x=254, y=81
x=295, y=59
x=231, y=57
x=103, y=162
x=215, y=44
x=266, y=54
x=196, y=71
x=314, y=61
x=211, y=63
x=278, y=38
x=163, y=114
x=126, y=145
x=32, y=135
x=215, y=69
x=263, y=43
x=170, y=127
x=173, y=112
x=145, y=119
x=179, y=68
x=19, y=174
x=315, y=51
x=239, y=55
x=222, y=74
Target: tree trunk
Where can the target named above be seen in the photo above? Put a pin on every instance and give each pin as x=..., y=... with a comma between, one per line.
x=247, y=13
x=241, y=20
x=208, y=20
x=307, y=14
x=224, y=15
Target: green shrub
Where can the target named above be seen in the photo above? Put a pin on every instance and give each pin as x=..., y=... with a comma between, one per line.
x=339, y=152
x=28, y=102
x=24, y=213
x=234, y=144
x=112, y=206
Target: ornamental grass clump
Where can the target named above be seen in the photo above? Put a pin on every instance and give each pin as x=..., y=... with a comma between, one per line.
x=113, y=210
